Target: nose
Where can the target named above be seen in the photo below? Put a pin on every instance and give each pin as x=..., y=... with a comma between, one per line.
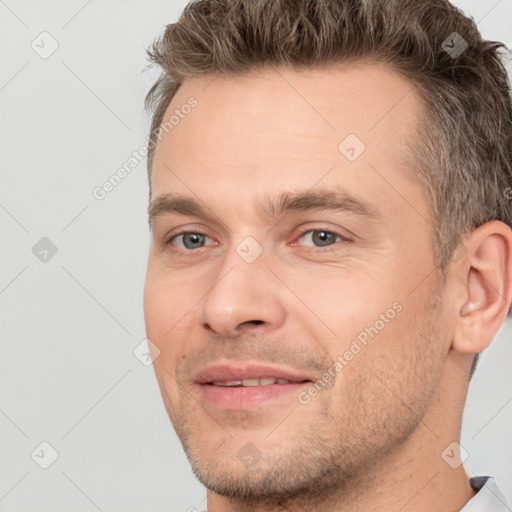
x=243, y=297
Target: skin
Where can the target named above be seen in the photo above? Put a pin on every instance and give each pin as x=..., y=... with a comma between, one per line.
x=374, y=439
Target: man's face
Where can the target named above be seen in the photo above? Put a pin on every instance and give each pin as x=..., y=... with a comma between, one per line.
x=255, y=292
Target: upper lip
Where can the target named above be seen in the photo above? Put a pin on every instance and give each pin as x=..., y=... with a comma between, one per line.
x=229, y=372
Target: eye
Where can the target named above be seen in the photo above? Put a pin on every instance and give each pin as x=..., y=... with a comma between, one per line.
x=188, y=240
x=321, y=237
x=316, y=238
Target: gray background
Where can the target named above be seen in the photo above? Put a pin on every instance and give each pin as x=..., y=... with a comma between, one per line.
x=69, y=325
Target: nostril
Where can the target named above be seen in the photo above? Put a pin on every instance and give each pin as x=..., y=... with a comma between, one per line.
x=252, y=322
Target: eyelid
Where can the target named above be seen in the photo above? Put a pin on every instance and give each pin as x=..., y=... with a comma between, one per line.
x=198, y=228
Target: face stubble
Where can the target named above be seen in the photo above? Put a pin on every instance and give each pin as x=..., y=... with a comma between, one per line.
x=356, y=426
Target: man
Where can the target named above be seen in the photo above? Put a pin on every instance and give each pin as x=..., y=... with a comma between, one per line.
x=331, y=248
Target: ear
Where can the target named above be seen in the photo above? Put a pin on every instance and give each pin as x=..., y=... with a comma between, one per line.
x=482, y=292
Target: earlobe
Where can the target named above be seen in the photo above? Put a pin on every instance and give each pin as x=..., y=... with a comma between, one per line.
x=485, y=280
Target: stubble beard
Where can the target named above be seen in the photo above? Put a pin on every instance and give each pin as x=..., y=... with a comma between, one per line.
x=336, y=452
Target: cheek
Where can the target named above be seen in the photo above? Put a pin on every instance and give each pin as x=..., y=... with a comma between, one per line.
x=167, y=303
x=344, y=303
x=398, y=363
x=162, y=310
x=409, y=348
x=155, y=308
x=366, y=319
x=167, y=314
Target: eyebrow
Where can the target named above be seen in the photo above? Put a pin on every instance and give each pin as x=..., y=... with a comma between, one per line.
x=272, y=207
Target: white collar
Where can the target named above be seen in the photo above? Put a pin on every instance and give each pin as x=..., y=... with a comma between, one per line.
x=488, y=498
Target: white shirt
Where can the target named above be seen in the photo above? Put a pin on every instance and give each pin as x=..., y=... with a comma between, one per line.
x=488, y=497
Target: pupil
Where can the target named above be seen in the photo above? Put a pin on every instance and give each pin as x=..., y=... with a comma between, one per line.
x=323, y=237
x=194, y=238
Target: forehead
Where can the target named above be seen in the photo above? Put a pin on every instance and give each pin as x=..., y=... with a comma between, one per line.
x=280, y=127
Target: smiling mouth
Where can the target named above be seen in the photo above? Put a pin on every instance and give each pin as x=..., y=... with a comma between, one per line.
x=253, y=382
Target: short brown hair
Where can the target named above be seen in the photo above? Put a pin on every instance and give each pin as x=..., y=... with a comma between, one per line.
x=463, y=148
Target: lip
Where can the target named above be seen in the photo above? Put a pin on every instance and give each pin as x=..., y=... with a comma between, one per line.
x=246, y=397
x=227, y=372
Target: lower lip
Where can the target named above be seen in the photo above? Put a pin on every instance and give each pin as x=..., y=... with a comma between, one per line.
x=246, y=397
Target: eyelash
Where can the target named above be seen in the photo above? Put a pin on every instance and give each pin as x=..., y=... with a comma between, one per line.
x=324, y=249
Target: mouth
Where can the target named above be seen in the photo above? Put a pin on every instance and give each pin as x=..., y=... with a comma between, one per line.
x=252, y=382
x=244, y=387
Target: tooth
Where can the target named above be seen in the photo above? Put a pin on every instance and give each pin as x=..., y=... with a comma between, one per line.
x=251, y=382
x=227, y=383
